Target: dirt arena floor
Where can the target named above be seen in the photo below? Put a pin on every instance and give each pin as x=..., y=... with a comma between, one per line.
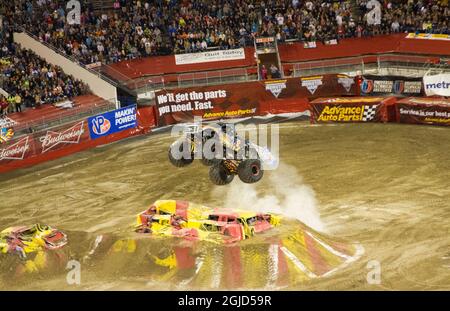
x=381, y=187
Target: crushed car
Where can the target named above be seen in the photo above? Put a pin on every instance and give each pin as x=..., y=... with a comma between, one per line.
x=28, y=239
x=194, y=221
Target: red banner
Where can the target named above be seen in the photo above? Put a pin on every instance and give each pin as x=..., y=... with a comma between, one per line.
x=432, y=111
x=63, y=140
x=247, y=99
x=348, y=110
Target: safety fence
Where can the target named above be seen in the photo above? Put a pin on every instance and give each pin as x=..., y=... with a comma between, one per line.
x=389, y=64
x=65, y=116
x=393, y=64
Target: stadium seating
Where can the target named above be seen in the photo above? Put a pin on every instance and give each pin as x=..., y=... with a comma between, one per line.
x=134, y=29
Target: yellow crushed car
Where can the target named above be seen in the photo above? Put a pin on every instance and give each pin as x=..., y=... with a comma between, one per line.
x=28, y=239
x=190, y=220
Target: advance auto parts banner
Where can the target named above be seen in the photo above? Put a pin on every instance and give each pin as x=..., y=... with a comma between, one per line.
x=423, y=114
x=245, y=99
x=346, y=112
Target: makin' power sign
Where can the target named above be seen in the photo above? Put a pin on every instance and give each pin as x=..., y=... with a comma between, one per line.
x=112, y=122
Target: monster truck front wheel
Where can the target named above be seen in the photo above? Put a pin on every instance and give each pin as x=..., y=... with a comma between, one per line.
x=177, y=156
x=219, y=175
x=250, y=171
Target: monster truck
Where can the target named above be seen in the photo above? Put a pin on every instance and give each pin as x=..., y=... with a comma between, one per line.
x=223, y=150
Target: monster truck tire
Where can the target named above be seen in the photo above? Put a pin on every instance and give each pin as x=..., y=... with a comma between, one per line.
x=207, y=153
x=178, y=146
x=250, y=171
x=219, y=175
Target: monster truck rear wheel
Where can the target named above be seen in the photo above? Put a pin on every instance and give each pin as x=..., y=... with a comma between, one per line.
x=177, y=149
x=250, y=171
x=219, y=175
x=209, y=150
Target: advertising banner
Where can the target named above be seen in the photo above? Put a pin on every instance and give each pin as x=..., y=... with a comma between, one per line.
x=246, y=99
x=112, y=122
x=391, y=85
x=348, y=110
x=213, y=56
x=428, y=36
x=424, y=111
x=44, y=142
x=67, y=139
x=310, y=45
x=16, y=150
x=59, y=138
x=437, y=85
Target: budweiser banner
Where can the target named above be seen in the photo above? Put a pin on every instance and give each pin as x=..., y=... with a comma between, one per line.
x=391, y=85
x=245, y=99
x=16, y=150
x=424, y=111
x=55, y=139
x=213, y=56
x=44, y=142
x=437, y=85
x=347, y=110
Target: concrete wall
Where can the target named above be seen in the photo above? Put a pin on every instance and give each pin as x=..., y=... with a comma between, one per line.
x=98, y=86
x=3, y=92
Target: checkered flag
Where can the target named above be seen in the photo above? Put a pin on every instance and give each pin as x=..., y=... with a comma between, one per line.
x=369, y=112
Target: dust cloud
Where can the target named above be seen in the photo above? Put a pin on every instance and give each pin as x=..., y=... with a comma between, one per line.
x=290, y=197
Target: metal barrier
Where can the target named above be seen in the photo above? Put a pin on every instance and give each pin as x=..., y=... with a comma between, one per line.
x=213, y=77
x=63, y=117
x=394, y=63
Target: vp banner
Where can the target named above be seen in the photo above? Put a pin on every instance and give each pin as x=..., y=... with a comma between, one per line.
x=437, y=85
x=112, y=122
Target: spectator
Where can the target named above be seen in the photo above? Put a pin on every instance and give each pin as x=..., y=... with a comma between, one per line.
x=274, y=72
x=3, y=105
x=263, y=72
x=18, y=102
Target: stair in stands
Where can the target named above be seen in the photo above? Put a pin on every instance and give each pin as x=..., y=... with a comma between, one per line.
x=102, y=5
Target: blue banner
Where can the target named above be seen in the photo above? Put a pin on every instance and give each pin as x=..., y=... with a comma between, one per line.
x=112, y=122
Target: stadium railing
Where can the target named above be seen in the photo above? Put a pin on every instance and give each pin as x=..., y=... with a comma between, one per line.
x=213, y=77
x=59, y=118
x=394, y=63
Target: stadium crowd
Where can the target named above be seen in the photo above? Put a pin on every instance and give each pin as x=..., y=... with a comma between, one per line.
x=139, y=28
x=134, y=29
x=30, y=81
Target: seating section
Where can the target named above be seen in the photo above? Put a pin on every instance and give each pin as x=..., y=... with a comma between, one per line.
x=134, y=29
